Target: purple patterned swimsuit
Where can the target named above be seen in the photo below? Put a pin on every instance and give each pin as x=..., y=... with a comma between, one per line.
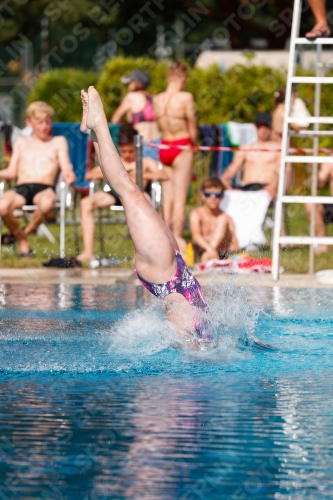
x=184, y=283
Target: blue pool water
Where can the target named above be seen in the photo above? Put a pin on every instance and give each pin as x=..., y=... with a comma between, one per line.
x=99, y=401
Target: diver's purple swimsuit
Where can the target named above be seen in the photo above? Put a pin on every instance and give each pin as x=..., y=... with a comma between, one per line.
x=183, y=282
x=188, y=286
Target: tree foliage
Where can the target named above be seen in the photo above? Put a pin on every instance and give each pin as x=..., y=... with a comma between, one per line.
x=61, y=89
x=109, y=21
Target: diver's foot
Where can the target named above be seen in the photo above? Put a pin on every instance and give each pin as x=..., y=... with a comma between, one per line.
x=95, y=113
x=318, y=31
x=84, y=99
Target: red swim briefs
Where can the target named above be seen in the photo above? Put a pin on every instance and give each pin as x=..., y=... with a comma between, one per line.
x=167, y=156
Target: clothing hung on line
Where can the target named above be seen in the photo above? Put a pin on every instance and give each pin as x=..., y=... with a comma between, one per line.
x=146, y=114
x=153, y=153
x=29, y=190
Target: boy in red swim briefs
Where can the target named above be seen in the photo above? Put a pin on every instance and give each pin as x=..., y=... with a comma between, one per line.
x=175, y=115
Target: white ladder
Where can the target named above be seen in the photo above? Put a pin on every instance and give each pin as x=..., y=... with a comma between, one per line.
x=314, y=158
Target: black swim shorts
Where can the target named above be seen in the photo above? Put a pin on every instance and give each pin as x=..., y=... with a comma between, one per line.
x=28, y=191
x=255, y=186
x=328, y=213
x=114, y=194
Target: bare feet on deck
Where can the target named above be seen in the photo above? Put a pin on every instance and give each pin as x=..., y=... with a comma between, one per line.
x=85, y=257
x=24, y=247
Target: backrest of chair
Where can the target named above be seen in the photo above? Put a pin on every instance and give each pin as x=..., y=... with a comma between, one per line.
x=59, y=185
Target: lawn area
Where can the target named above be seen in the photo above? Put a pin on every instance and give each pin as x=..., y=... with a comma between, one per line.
x=117, y=244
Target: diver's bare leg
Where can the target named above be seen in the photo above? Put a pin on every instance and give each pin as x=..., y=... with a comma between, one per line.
x=153, y=242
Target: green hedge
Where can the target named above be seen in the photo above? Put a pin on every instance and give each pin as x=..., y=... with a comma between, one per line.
x=61, y=89
x=220, y=96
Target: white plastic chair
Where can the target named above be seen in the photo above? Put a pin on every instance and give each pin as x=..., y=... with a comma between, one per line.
x=64, y=200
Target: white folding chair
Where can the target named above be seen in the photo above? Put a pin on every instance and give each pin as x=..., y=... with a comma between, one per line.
x=64, y=200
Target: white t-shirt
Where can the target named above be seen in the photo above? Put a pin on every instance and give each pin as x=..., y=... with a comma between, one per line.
x=299, y=110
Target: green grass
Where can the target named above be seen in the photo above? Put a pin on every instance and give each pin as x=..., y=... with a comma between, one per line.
x=295, y=260
x=118, y=245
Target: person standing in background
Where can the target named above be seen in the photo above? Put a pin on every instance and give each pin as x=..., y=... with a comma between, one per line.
x=298, y=110
x=320, y=29
x=175, y=114
x=138, y=105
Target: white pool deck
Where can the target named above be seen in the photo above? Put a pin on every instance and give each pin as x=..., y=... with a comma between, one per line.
x=123, y=276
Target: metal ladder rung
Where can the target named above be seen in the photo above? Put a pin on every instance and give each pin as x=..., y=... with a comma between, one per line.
x=307, y=199
x=311, y=79
x=116, y=208
x=306, y=240
x=308, y=159
x=312, y=133
x=325, y=65
x=318, y=41
x=328, y=120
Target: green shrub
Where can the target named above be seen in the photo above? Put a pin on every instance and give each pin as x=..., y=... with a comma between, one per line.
x=220, y=96
x=61, y=89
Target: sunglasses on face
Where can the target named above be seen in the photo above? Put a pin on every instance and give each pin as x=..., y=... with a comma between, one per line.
x=208, y=194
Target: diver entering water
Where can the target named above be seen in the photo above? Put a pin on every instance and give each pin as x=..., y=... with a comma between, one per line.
x=159, y=265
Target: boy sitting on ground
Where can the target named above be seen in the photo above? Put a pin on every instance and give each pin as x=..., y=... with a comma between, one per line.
x=35, y=164
x=212, y=230
x=105, y=199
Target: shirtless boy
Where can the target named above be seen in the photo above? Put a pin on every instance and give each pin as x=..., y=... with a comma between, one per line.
x=260, y=169
x=102, y=199
x=35, y=164
x=211, y=229
x=174, y=110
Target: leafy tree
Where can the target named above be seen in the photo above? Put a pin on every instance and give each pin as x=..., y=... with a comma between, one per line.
x=115, y=27
x=61, y=89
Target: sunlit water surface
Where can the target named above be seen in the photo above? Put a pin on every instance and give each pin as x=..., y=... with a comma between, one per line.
x=100, y=400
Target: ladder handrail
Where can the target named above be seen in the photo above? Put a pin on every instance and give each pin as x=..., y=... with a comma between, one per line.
x=285, y=136
x=314, y=159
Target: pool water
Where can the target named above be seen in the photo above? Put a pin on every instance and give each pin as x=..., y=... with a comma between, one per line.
x=99, y=399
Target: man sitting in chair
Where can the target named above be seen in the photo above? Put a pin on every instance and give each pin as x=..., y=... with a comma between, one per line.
x=35, y=164
x=247, y=202
x=260, y=169
x=106, y=199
